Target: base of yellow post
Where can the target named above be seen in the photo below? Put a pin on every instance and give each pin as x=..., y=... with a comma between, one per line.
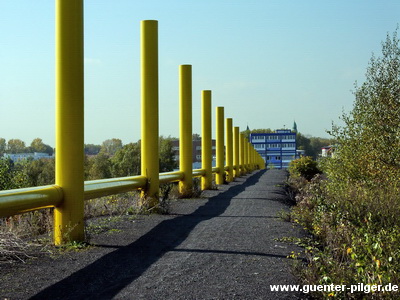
x=185, y=189
x=148, y=202
x=65, y=231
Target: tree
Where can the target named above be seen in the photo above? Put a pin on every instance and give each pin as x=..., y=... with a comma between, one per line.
x=303, y=143
x=167, y=155
x=48, y=174
x=15, y=146
x=196, y=137
x=91, y=149
x=48, y=149
x=3, y=146
x=126, y=161
x=11, y=175
x=259, y=130
x=111, y=146
x=101, y=167
x=369, y=142
x=316, y=144
x=38, y=172
x=262, y=130
x=312, y=145
x=37, y=145
x=32, y=170
x=6, y=175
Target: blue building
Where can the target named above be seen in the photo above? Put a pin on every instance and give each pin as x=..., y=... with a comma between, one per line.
x=277, y=149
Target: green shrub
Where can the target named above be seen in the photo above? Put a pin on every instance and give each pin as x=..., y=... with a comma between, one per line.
x=305, y=167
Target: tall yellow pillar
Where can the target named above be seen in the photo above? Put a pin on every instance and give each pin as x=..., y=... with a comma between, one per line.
x=249, y=166
x=246, y=155
x=229, y=149
x=206, y=140
x=68, y=217
x=219, y=145
x=185, y=129
x=149, y=110
x=241, y=155
x=236, y=164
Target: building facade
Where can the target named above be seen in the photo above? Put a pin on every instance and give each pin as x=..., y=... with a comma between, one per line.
x=22, y=156
x=196, y=151
x=277, y=149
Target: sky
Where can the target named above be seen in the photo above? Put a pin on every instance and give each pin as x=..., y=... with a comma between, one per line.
x=268, y=62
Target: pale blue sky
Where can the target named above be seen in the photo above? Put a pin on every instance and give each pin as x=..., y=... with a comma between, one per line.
x=267, y=62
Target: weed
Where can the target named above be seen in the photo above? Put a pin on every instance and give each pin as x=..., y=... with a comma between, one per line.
x=196, y=187
x=73, y=246
x=284, y=215
x=355, y=235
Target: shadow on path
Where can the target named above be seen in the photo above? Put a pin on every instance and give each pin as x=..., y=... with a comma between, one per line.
x=107, y=276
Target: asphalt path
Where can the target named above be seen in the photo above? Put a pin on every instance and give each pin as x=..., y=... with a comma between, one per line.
x=224, y=245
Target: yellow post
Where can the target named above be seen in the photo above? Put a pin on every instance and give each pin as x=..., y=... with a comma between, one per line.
x=206, y=143
x=262, y=162
x=253, y=162
x=229, y=149
x=219, y=146
x=241, y=156
x=68, y=217
x=149, y=110
x=236, y=164
x=249, y=157
x=246, y=156
x=185, y=129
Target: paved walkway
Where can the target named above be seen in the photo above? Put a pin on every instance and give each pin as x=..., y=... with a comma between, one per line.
x=220, y=247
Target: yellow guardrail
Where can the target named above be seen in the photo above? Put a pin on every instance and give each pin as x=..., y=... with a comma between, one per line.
x=18, y=201
x=199, y=173
x=168, y=177
x=105, y=187
x=70, y=190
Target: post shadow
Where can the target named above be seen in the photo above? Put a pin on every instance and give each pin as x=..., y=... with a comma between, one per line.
x=107, y=276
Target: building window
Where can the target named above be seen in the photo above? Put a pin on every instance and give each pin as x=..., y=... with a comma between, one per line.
x=273, y=137
x=258, y=138
x=273, y=145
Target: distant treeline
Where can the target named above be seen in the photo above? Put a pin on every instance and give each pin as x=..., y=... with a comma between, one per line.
x=111, y=159
x=16, y=146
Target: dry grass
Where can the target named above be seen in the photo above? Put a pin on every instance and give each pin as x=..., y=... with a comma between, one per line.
x=13, y=248
x=21, y=234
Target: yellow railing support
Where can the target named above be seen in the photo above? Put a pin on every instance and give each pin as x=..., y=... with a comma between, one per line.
x=241, y=155
x=236, y=154
x=246, y=155
x=68, y=216
x=252, y=157
x=229, y=149
x=262, y=162
x=249, y=166
x=219, y=146
x=185, y=129
x=206, y=140
x=149, y=110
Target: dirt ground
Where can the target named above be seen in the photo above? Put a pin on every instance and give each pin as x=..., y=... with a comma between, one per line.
x=224, y=245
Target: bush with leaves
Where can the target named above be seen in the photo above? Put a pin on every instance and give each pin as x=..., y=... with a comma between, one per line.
x=305, y=167
x=353, y=214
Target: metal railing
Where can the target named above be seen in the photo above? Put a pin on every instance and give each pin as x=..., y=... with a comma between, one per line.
x=67, y=195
